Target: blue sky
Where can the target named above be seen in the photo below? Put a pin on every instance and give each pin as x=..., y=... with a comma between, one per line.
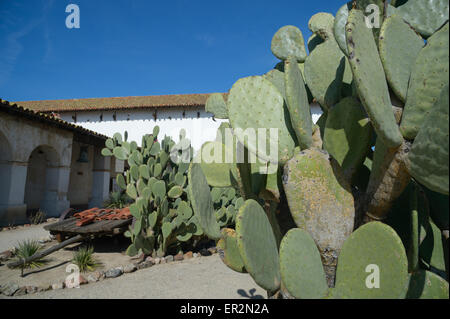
x=140, y=47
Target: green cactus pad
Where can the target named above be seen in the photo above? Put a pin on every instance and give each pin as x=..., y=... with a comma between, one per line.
x=216, y=105
x=131, y=191
x=301, y=267
x=277, y=78
x=439, y=208
x=339, y=26
x=431, y=249
x=218, y=172
x=327, y=72
x=370, y=79
x=175, y=192
x=201, y=201
x=399, y=46
x=257, y=245
x=322, y=24
x=159, y=189
x=348, y=134
x=253, y=103
x=229, y=251
x=120, y=153
x=428, y=159
x=371, y=248
x=319, y=198
x=288, y=41
x=297, y=103
x=429, y=75
x=121, y=181
x=424, y=16
x=106, y=152
x=424, y=284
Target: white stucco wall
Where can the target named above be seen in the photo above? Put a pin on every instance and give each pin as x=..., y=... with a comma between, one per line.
x=199, y=125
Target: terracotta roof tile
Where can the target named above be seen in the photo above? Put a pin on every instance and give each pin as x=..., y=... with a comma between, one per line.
x=15, y=109
x=114, y=103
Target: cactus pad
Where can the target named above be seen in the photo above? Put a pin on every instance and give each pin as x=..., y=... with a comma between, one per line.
x=429, y=75
x=322, y=24
x=253, y=103
x=370, y=79
x=327, y=71
x=288, y=41
x=339, y=26
x=297, y=102
x=201, y=201
x=216, y=105
x=425, y=16
x=372, y=245
x=348, y=134
x=428, y=158
x=399, y=46
x=257, y=245
x=300, y=266
x=427, y=285
x=229, y=252
x=320, y=200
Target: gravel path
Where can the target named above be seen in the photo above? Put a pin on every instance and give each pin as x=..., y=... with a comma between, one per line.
x=196, y=278
x=10, y=238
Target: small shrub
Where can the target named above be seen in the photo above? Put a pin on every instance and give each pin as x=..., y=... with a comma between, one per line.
x=84, y=259
x=26, y=249
x=118, y=200
x=38, y=218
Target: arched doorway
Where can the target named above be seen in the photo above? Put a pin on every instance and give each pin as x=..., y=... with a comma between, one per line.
x=42, y=179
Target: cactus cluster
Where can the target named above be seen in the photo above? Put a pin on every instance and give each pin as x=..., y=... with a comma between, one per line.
x=369, y=183
x=157, y=181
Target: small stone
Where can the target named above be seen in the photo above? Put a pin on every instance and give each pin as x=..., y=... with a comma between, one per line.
x=144, y=264
x=113, y=273
x=31, y=289
x=95, y=276
x=157, y=260
x=168, y=258
x=178, y=257
x=83, y=281
x=162, y=260
x=9, y=289
x=196, y=255
x=205, y=252
x=150, y=259
x=129, y=268
x=58, y=285
x=188, y=255
x=22, y=291
x=212, y=250
x=140, y=258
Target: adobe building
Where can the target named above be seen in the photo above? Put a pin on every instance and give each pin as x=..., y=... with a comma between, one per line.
x=49, y=164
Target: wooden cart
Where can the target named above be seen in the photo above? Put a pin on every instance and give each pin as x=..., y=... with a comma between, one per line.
x=67, y=232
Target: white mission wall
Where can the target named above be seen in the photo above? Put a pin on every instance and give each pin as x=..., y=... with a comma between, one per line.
x=199, y=125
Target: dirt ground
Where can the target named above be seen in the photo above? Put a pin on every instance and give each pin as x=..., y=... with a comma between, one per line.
x=109, y=252
x=201, y=277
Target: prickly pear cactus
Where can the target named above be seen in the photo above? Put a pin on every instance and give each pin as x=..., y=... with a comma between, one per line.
x=370, y=79
x=257, y=246
x=372, y=264
x=429, y=75
x=229, y=252
x=216, y=105
x=321, y=202
x=300, y=265
x=428, y=159
x=288, y=41
x=399, y=46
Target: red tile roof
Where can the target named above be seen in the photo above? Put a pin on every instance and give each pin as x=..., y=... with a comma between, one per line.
x=114, y=103
x=17, y=110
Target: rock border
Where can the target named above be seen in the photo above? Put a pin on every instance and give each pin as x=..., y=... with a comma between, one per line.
x=13, y=290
